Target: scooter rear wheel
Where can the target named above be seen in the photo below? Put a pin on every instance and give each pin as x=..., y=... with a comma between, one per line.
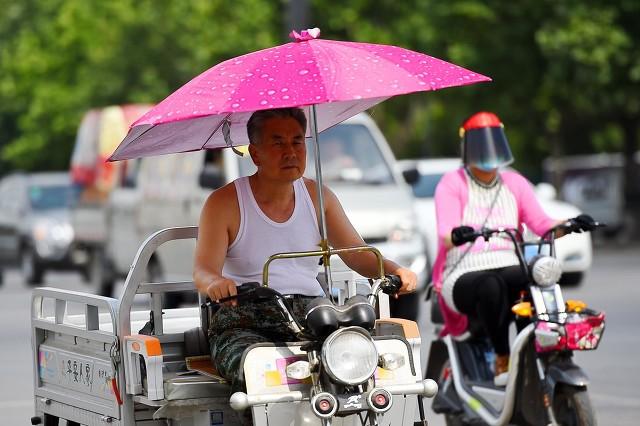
x=572, y=406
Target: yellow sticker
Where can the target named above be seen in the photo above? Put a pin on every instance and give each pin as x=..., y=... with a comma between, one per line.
x=273, y=378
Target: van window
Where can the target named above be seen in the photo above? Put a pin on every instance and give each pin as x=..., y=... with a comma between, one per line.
x=349, y=154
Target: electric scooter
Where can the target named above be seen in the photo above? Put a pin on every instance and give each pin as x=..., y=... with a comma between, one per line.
x=544, y=385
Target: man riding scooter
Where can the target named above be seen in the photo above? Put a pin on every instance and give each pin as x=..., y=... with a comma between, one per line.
x=274, y=210
x=479, y=280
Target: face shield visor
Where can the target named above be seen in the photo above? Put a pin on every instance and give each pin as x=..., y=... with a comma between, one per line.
x=486, y=148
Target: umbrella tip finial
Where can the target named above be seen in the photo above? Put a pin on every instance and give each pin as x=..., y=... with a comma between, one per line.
x=305, y=35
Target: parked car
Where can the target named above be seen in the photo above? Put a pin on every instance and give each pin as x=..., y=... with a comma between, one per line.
x=35, y=229
x=360, y=168
x=575, y=250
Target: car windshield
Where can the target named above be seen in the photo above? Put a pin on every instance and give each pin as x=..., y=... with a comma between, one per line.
x=46, y=197
x=425, y=187
x=349, y=154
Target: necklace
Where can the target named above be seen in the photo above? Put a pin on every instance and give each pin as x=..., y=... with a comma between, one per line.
x=489, y=185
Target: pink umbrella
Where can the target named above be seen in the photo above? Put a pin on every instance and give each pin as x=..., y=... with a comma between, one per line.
x=340, y=78
x=334, y=79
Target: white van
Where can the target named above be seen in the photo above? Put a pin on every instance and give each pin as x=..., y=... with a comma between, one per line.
x=358, y=166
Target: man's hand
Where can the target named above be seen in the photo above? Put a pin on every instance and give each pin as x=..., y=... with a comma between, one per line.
x=462, y=234
x=220, y=288
x=409, y=280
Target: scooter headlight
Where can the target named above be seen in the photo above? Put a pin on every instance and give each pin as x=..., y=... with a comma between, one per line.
x=350, y=356
x=545, y=270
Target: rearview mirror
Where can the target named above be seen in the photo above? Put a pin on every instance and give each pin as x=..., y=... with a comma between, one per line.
x=411, y=176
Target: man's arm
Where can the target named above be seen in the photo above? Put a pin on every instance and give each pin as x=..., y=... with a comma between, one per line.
x=214, y=232
x=341, y=233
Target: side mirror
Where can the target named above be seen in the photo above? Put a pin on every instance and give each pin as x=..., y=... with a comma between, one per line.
x=411, y=176
x=546, y=191
x=211, y=178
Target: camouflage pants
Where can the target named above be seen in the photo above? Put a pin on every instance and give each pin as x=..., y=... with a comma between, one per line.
x=232, y=329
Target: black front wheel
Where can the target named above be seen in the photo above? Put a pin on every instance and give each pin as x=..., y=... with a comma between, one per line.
x=32, y=270
x=572, y=406
x=406, y=306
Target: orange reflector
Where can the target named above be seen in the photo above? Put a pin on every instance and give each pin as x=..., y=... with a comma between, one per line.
x=575, y=305
x=522, y=309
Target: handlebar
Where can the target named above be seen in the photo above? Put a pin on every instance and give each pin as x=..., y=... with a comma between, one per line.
x=390, y=285
x=256, y=293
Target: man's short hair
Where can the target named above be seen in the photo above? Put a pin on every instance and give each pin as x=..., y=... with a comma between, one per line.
x=258, y=118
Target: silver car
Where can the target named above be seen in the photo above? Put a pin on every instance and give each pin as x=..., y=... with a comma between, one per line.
x=35, y=230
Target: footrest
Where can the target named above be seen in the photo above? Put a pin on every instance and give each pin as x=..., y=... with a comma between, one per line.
x=195, y=387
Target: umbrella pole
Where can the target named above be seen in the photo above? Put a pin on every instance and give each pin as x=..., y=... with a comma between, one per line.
x=324, y=244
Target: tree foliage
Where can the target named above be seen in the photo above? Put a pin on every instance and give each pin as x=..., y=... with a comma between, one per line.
x=60, y=58
x=566, y=74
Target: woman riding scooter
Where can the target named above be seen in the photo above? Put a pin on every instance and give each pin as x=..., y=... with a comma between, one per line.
x=477, y=279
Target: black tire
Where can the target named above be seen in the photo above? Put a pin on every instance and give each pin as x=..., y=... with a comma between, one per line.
x=406, y=306
x=572, y=406
x=32, y=271
x=1, y=277
x=453, y=420
x=99, y=274
x=155, y=274
x=449, y=418
x=571, y=279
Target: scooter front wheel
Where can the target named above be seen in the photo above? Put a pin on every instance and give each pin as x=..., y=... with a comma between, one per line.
x=572, y=406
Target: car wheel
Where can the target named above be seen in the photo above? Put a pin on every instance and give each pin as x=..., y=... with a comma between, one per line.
x=32, y=272
x=99, y=274
x=570, y=279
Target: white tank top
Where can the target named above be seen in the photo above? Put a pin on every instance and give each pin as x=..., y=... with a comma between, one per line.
x=498, y=252
x=260, y=237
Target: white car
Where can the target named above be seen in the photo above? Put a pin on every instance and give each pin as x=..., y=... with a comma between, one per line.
x=575, y=250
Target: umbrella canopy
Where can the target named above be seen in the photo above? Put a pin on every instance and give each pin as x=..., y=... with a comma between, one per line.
x=340, y=78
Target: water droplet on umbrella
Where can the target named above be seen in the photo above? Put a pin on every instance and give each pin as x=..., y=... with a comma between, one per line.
x=285, y=97
x=284, y=89
x=235, y=105
x=263, y=102
x=303, y=72
x=271, y=92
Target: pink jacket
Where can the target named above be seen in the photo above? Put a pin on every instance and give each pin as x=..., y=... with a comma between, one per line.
x=451, y=198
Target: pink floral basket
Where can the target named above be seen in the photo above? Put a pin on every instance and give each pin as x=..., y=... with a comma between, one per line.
x=581, y=331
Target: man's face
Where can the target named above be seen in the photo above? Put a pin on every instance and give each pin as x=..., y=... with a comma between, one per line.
x=281, y=153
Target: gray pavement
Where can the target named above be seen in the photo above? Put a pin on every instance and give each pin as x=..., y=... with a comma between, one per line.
x=611, y=285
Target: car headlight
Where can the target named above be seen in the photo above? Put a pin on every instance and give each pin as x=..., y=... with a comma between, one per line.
x=51, y=235
x=350, y=356
x=545, y=270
